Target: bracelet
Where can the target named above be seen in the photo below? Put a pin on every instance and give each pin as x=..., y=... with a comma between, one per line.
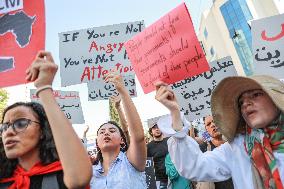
x=38, y=90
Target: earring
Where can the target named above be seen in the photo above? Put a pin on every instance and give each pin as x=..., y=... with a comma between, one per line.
x=123, y=147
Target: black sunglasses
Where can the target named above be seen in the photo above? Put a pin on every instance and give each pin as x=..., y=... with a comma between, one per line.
x=18, y=126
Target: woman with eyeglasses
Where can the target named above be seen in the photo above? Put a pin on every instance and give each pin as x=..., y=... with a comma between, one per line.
x=119, y=166
x=39, y=148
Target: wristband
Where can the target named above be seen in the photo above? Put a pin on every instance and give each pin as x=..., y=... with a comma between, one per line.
x=38, y=90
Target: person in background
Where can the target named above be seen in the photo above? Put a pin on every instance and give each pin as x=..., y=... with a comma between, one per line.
x=119, y=166
x=249, y=112
x=84, y=139
x=216, y=140
x=158, y=149
x=175, y=180
x=34, y=152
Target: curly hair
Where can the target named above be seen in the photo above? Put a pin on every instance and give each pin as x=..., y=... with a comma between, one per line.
x=122, y=148
x=47, y=149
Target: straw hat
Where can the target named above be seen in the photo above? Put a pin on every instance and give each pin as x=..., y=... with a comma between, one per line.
x=224, y=100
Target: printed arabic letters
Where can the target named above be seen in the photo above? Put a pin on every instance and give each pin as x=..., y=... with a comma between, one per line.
x=274, y=64
x=209, y=92
x=208, y=103
x=274, y=38
x=210, y=73
x=93, y=97
x=131, y=92
x=269, y=55
x=200, y=107
x=277, y=65
x=68, y=115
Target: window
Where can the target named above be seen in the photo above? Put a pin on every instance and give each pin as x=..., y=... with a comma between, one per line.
x=212, y=52
x=205, y=33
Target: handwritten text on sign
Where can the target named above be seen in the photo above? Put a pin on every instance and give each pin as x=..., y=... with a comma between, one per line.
x=268, y=49
x=87, y=55
x=168, y=50
x=8, y=6
x=69, y=102
x=194, y=93
x=99, y=90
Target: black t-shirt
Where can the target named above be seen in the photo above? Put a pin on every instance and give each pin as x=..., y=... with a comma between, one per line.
x=158, y=150
x=37, y=180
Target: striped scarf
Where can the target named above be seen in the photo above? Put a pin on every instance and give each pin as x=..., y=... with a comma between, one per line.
x=260, y=145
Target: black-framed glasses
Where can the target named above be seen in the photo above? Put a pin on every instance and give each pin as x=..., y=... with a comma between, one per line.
x=18, y=126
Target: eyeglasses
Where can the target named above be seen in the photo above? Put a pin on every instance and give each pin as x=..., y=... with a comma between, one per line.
x=18, y=126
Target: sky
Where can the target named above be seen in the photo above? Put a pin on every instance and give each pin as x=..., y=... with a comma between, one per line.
x=68, y=15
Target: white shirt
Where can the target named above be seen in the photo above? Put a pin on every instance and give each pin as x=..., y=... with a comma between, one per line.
x=225, y=161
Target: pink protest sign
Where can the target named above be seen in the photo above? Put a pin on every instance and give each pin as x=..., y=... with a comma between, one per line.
x=168, y=50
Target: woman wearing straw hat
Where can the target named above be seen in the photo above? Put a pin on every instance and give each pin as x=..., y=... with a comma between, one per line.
x=249, y=112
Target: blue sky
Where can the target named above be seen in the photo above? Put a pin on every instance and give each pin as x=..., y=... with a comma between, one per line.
x=67, y=15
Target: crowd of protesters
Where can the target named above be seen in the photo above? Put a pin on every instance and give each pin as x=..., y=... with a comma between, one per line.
x=245, y=151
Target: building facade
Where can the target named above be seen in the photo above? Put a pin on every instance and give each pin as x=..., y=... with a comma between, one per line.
x=225, y=29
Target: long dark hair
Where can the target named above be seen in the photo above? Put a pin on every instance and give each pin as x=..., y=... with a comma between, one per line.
x=47, y=149
x=122, y=148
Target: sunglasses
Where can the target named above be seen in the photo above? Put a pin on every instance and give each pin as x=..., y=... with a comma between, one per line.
x=18, y=126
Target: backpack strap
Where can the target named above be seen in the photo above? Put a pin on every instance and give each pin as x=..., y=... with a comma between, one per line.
x=50, y=181
x=5, y=185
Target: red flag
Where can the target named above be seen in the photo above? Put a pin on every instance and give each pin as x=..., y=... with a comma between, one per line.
x=22, y=34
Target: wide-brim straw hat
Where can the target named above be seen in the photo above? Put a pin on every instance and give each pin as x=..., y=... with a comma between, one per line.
x=224, y=100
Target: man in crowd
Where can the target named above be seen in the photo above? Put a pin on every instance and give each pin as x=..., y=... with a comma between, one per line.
x=216, y=140
x=158, y=149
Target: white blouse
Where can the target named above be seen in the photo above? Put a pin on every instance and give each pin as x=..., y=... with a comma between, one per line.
x=225, y=161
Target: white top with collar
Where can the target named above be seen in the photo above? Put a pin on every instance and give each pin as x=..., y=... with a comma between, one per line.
x=225, y=161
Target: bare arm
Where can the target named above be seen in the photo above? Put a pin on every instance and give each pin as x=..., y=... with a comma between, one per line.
x=116, y=100
x=136, y=153
x=167, y=97
x=123, y=124
x=42, y=72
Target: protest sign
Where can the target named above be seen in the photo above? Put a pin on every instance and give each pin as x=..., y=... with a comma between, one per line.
x=9, y=6
x=168, y=50
x=150, y=173
x=100, y=90
x=22, y=34
x=88, y=54
x=154, y=120
x=268, y=49
x=194, y=93
x=69, y=102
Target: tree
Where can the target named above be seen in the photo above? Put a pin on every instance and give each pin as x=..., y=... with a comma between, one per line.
x=3, y=101
x=113, y=112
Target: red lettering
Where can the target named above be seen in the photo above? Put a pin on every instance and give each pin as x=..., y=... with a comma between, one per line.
x=126, y=69
x=109, y=48
x=120, y=47
x=86, y=73
x=105, y=72
x=117, y=65
x=93, y=45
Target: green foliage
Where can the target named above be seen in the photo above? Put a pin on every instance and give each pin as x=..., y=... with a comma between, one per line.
x=113, y=113
x=3, y=101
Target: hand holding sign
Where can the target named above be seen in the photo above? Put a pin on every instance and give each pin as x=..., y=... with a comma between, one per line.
x=43, y=69
x=117, y=80
x=166, y=96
